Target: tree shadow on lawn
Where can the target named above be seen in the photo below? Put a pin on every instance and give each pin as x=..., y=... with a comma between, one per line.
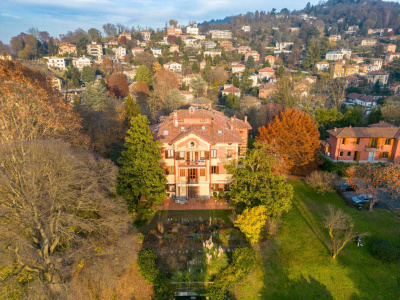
x=298, y=288
x=311, y=223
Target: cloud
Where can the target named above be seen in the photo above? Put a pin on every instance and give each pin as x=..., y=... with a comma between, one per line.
x=10, y=16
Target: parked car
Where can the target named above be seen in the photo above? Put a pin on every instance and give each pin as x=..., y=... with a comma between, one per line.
x=345, y=187
x=361, y=200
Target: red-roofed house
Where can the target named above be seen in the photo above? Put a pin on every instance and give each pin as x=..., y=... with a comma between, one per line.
x=255, y=54
x=174, y=48
x=146, y=35
x=66, y=48
x=271, y=60
x=174, y=31
x=266, y=73
x=196, y=144
x=173, y=67
x=375, y=143
x=238, y=68
x=137, y=50
x=125, y=34
x=231, y=90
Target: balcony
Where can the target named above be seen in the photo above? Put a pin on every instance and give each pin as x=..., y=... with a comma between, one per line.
x=373, y=148
x=200, y=163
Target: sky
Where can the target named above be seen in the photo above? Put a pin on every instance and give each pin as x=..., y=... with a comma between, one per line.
x=59, y=16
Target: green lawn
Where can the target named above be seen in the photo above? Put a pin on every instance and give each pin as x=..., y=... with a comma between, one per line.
x=296, y=263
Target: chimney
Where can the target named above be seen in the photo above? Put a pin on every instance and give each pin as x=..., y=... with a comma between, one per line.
x=245, y=119
x=335, y=129
x=175, y=118
x=350, y=126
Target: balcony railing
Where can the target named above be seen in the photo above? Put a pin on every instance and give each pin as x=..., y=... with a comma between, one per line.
x=373, y=148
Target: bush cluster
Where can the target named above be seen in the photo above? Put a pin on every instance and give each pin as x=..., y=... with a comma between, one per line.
x=384, y=250
x=243, y=259
x=147, y=261
x=339, y=168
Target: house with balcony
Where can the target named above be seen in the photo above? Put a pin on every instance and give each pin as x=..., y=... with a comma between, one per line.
x=146, y=35
x=389, y=48
x=173, y=67
x=66, y=48
x=193, y=29
x=255, y=55
x=137, y=50
x=266, y=73
x=380, y=76
x=243, y=49
x=94, y=49
x=56, y=63
x=156, y=51
x=196, y=144
x=375, y=143
x=82, y=62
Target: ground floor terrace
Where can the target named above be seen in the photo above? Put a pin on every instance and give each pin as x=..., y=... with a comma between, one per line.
x=171, y=203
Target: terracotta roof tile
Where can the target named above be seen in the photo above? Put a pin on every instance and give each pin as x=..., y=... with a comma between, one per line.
x=366, y=132
x=218, y=128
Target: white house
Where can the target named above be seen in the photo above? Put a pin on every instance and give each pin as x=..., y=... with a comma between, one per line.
x=120, y=52
x=220, y=34
x=193, y=29
x=212, y=53
x=322, y=66
x=238, y=68
x=82, y=62
x=246, y=28
x=156, y=51
x=173, y=67
x=210, y=45
x=334, y=55
x=56, y=63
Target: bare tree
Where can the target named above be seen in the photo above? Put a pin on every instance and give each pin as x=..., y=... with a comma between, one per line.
x=340, y=228
x=57, y=208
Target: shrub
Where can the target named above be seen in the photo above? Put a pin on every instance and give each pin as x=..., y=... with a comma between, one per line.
x=321, y=181
x=340, y=168
x=140, y=237
x=384, y=250
x=147, y=262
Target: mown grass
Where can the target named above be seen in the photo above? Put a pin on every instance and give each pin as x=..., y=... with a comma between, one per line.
x=296, y=263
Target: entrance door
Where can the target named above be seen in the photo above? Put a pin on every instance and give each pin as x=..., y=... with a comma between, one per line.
x=193, y=192
x=357, y=156
x=371, y=156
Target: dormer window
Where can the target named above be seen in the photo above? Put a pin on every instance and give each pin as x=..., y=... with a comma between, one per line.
x=203, y=127
x=219, y=131
x=192, y=144
x=165, y=132
x=182, y=128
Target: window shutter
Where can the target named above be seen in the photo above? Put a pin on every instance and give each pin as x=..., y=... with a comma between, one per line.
x=390, y=155
x=391, y=142
x=202, y=172
x=217, y=172
x=378, y=143
x=369, y=143
x=166, y=154
x=380, y=155
x=207, y=155
x=196, y=155
x=187, y=155
x=346, y=141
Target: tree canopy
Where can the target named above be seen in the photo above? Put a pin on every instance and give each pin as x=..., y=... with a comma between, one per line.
x=296, y=137
x=141, y=178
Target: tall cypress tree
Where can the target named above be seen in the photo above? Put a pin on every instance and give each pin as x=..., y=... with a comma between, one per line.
x=141, y=177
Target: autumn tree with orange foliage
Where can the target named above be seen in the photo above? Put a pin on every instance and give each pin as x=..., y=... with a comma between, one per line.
x=142, y=92
x=165, y=82
x=295, y=137
x=118, y=85
x=31, y=109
